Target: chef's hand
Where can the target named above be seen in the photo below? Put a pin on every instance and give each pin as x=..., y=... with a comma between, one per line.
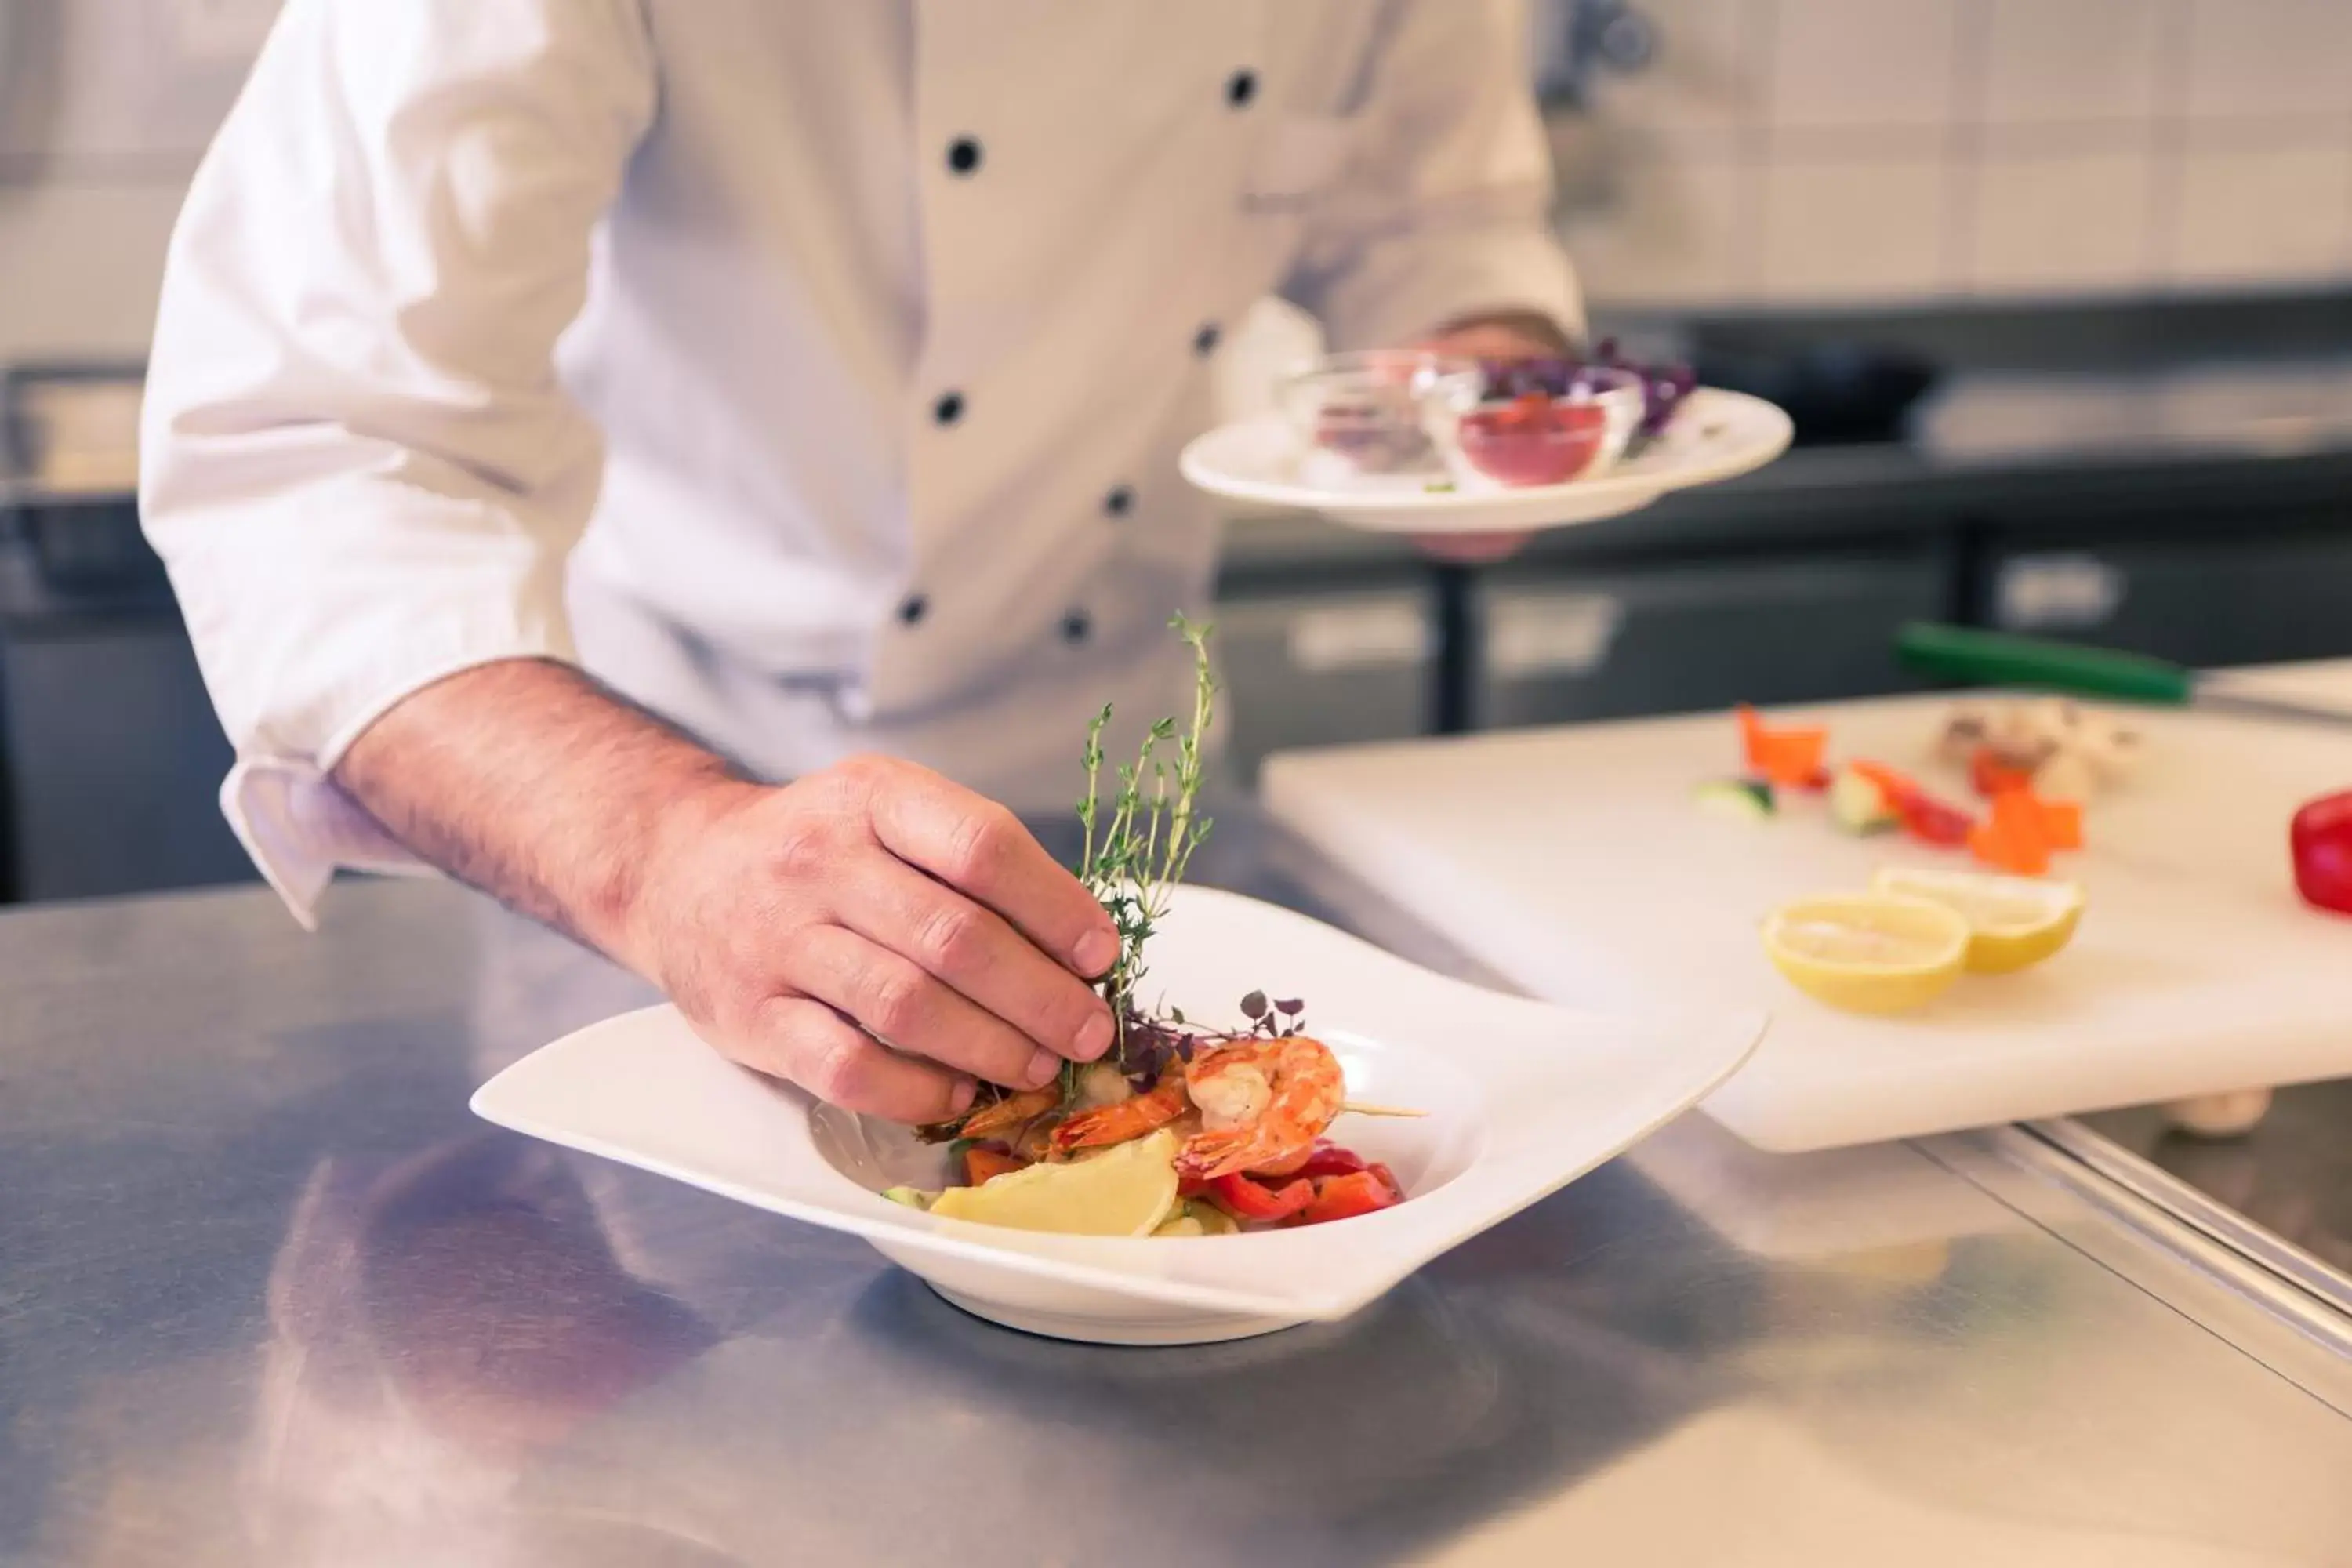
x=797, y=927
x=1508, y=335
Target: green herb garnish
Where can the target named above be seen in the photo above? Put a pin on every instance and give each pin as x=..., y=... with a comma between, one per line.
x=1136, y=851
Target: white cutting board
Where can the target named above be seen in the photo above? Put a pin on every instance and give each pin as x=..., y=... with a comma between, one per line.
x=1573, y=861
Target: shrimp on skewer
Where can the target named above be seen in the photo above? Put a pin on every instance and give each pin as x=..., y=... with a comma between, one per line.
x=1131, y=1118
x=1005, y=1115
x=1263, y=1103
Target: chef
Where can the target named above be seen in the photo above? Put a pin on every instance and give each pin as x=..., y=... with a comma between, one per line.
x=690, y=468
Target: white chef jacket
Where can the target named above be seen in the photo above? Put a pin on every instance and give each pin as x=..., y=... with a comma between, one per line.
x=812, y=373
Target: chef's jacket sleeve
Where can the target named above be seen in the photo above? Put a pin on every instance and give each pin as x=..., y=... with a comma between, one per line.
x=1444, y=208
x=357, y=460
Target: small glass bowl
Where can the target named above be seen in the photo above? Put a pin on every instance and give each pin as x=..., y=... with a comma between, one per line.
x=1546, y=437
x=1384, y=415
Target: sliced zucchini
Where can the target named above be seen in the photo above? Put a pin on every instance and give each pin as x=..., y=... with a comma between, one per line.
x=1743, y=799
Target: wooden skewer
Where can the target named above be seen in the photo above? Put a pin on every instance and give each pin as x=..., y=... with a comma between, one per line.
x=1357, y=1108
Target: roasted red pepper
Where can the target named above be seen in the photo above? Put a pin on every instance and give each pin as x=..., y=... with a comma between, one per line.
x=1253, y=1201
x=1329, y=1160
x=2322, y=843
x=1356, y=1193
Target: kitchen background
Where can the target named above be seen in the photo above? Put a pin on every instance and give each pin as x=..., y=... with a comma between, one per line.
x=2060, y=292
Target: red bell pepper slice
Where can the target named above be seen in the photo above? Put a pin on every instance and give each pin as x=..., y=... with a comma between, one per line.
x=1345, y=1197
x=1327, y=1159
x=1931, y=821
x=1925, y=817
x=2321, y=841
x=1990, y=777
x=1247, y=1200
x=1895, y=786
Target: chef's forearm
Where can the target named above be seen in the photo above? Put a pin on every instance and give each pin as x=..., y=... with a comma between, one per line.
x=530, y=781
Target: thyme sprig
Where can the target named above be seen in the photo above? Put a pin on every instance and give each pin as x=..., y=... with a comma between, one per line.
x=1140, y=841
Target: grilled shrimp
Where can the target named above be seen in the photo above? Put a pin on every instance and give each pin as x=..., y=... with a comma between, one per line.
x=1005, y=1115
x=1131, y=1118
x=1263, y=1103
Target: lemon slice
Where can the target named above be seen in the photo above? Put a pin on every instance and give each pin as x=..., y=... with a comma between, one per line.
x=1868, y=953
x=2013, y=922
x=1127, y=1190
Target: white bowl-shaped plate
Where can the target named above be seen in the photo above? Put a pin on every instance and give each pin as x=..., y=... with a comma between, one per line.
x=1521, y=1098
x=1715, y=435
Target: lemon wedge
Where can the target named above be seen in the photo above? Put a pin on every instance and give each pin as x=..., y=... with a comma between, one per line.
x=1127, y=1190
x=2014, y=922
x=1868, y=953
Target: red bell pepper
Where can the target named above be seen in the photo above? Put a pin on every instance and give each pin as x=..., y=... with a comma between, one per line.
x=1328, y=1159
x=2321, y=839
x=1356, y=1193
x=1931, y=821
x=1924, y=818
x=1244, y=1199
x=1992, y=777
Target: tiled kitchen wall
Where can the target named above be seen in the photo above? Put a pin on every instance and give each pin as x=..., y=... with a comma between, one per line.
x=1806, y=153
x=1795, y=152
x=105, y=106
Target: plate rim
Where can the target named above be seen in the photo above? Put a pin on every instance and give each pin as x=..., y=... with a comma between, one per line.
x=1622, y=491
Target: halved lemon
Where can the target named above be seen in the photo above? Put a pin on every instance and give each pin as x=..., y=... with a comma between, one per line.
x=1127, y=1190
x=2014, y=922
x=1868, y=953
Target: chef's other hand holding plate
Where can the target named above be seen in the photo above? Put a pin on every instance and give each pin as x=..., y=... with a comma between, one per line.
x=1510, y=336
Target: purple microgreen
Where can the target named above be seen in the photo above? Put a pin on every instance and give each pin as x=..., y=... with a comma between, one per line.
x=1253, y=1006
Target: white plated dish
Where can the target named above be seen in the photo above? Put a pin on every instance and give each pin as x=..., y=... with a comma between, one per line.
x=1715, y=435
x=1521, y=1098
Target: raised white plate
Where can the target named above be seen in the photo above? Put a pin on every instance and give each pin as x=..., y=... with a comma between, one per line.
x=1715, y=435
x=1522, y=1098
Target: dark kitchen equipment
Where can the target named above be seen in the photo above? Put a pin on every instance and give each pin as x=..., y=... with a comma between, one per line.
x=1837, y=393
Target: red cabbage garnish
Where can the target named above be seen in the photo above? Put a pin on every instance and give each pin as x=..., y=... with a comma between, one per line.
x=1664, y=386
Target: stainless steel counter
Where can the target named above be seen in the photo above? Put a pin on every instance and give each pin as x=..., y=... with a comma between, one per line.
x=269, y=1296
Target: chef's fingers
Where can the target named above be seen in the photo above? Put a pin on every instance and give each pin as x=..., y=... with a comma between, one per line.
x=803, y=1041
x=913, y=1011
x=973, y=950
x=976, y=845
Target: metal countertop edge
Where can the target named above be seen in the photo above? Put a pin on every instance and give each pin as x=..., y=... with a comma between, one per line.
x=2264, y=1248
x=2300, y=1336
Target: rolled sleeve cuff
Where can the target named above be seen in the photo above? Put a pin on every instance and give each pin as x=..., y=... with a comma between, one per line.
x=1405, y=287
x=300, y=828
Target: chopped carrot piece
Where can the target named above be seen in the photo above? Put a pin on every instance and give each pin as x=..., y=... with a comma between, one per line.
x=2008, y=847
x=1792, y=757
x=2057, y=823
x=983, y=1160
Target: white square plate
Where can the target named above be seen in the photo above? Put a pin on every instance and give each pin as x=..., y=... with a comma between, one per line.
x=1521, y=1098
